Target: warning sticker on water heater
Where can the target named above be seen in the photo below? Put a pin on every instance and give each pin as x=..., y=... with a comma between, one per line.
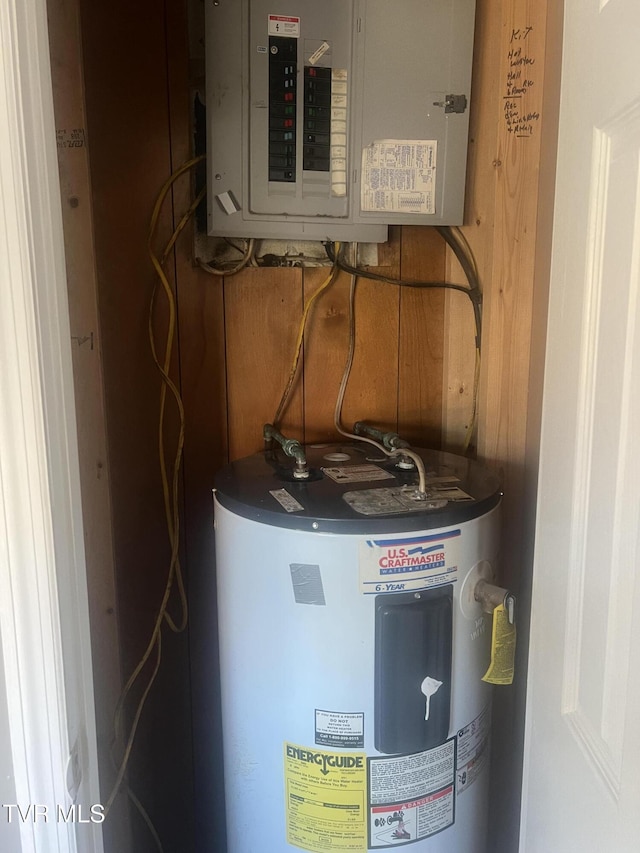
x=411, y=796
x=409, y=563
x=325, y=799
x=473, y=750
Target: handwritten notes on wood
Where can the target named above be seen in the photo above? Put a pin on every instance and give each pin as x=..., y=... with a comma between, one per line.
x=520, y=115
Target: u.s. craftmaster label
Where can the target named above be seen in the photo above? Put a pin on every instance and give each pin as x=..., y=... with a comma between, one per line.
x=409, y=563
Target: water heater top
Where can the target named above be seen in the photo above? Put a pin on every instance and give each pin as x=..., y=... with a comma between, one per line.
x=354, y=488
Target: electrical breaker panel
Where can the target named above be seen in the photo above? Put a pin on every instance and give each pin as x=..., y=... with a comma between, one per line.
x=331, y=119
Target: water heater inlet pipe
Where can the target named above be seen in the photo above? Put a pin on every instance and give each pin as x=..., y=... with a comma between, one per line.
x=291, y=447
x=391, y=440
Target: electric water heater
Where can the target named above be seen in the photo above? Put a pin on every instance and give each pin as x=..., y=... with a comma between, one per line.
x=352, y=651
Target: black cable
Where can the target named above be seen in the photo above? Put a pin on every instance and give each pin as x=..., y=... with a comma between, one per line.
x=467, y=267
x=473, y=291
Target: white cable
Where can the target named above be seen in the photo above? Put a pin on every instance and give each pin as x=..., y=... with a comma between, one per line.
x=240, y=265
x=337, y=416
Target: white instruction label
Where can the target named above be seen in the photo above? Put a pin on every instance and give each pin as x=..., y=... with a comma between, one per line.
x=283, y=25
x=399, y=175
x=286, y=500
x=473, y=750
x=336, y=728
x=410, y=563
x=411, y=796
x=357, y=473
x=317, y=55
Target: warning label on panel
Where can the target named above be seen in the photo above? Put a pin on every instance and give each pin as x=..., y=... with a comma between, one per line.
x=334, y=728
x=411, y=796
x=473, y=750
x=326, y=799
x=283, y=25
x=401, y=565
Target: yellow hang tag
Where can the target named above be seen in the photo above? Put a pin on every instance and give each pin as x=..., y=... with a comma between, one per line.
x=503, y=649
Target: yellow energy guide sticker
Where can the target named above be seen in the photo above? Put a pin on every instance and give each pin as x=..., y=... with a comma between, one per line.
x=326, y=799
x=503, y=649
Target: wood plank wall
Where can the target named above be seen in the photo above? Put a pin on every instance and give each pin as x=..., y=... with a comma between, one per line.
x=66, y=72
x=509, y=219
x=413, y=369
x=396, y=379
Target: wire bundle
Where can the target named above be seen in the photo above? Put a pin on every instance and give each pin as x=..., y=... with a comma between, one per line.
x=170, y=489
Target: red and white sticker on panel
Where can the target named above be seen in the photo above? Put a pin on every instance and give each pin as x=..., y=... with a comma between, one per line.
x=284, y=25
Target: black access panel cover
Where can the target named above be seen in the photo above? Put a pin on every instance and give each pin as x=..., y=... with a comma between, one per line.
x=413, y=636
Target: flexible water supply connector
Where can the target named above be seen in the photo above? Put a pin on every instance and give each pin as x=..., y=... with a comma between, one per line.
x=390, y=440
x=291, y=447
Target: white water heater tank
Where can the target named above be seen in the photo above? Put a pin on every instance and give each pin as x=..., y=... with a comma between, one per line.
x=352, y=652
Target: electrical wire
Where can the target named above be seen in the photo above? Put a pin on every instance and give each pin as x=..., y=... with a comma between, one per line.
x=299, y=340
x=459, y=245
x=134, y=727
x=337, y=415
x=473, y=293
x=461, y=237
x=121, y=782
x=170, y=492
x=474, y=409
x=240, y=265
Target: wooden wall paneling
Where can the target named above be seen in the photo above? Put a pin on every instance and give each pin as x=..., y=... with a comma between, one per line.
x=373, y=384
x=262, y=314
x=509, y=290
x=420, y=389
x=128, y=130
x=459, y=360
x=203, y=386
x=327, y=345
x=483, y=165
x=389, y=252
x=372, y=393
x=68, y=93
x=325, y=351
x=513, y=95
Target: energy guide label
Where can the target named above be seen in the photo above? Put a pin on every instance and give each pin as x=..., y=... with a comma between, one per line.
x=325, y=799
x=411, y=797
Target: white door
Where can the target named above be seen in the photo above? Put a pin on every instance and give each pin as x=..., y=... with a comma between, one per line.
x=582, y=749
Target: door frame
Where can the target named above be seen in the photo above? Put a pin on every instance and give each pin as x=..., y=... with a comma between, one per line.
x=44, y=619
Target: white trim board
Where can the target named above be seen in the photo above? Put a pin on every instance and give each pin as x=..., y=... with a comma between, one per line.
x=43, y=601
